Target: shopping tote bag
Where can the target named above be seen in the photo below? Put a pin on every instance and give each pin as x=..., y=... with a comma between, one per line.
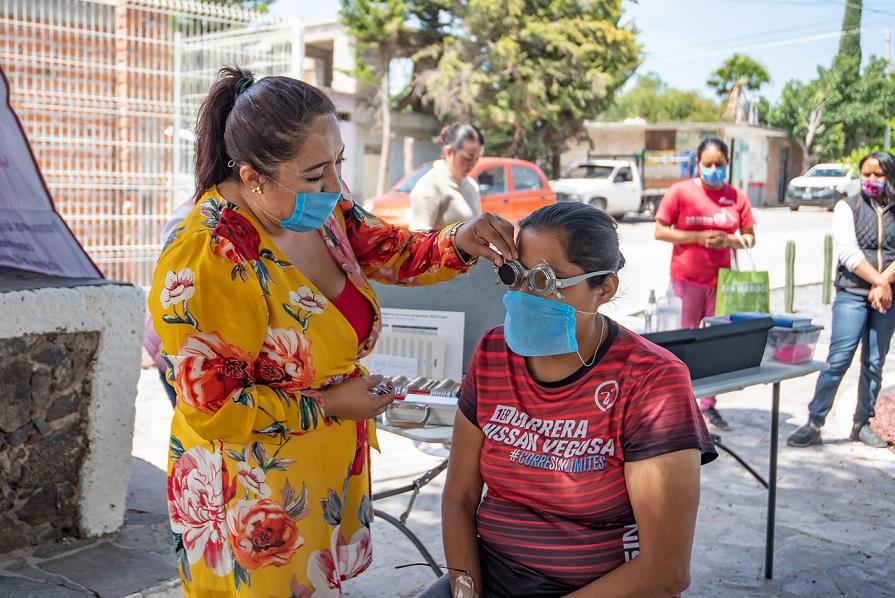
x=742, y=290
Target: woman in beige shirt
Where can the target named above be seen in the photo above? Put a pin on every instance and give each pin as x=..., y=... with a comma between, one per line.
x=447, y=194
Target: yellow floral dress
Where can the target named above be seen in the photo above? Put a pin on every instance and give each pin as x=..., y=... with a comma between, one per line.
x=267, y=496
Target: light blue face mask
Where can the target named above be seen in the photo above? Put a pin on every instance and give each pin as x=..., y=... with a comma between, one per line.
x=713, y=175
x=535, y=326
x=311, y=210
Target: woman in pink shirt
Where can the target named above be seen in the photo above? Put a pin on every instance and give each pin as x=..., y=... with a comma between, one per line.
x=704, y=218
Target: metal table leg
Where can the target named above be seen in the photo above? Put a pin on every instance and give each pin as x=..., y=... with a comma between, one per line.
x=401, y=522
x=427, y=556
x=772, y=485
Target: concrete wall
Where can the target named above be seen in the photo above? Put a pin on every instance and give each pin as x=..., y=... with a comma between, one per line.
x=115, y=313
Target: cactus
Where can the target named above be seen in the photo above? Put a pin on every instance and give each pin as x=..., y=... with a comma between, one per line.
x=790, y=285
x=828, y=270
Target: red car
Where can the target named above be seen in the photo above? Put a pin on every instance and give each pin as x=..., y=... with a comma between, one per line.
x=509, y=187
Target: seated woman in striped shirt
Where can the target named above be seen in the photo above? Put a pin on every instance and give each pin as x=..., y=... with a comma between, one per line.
x=587, y=436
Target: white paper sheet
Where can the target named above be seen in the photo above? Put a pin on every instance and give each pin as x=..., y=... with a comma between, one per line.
x=391, y=366
x=448, y=325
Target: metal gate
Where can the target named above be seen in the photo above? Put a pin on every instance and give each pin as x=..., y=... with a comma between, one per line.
x=108, y=92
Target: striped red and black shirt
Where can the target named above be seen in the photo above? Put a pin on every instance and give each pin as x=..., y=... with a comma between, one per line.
x=556, y=514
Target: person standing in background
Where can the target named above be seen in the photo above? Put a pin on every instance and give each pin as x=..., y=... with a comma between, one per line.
x=864, y=235
x=447, y=194
x=704, y=218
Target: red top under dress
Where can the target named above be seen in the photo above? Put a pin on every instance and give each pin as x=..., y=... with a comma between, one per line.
x=356, y=309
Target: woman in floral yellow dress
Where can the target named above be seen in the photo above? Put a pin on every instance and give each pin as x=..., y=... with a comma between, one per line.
x=262, y=302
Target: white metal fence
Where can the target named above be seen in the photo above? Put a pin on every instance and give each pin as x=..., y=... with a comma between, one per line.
x=108, y=92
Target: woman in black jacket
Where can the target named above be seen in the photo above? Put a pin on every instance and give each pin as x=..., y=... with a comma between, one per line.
x=864, y=235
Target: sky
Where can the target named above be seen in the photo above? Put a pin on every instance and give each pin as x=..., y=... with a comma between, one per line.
x=685, y=40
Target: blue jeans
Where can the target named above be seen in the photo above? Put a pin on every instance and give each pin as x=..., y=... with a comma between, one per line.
x=854, y=321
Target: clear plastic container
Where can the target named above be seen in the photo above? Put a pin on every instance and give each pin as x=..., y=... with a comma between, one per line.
x=792, y=345
x=669, y=308
x=785, y=345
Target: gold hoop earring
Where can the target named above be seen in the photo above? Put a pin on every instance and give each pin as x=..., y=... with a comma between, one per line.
x=257, y=189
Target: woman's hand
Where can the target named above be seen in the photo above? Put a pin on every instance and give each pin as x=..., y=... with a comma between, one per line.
x=880, y=297
x=476, y=237
x=353, y=399
x=712, y=239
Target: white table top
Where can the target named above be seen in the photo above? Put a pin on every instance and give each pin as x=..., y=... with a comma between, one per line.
x=768, y=372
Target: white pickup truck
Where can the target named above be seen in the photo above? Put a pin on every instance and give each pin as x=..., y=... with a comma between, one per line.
x=614, y=186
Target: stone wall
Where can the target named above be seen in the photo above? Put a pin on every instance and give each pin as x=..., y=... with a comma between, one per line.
x=73, y=348
x=45, y=385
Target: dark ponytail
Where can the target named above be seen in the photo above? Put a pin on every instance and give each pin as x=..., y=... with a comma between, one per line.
x=258, y=123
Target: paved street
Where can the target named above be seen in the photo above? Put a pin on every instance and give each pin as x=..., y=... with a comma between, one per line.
x=835, y=530
x=648, y=260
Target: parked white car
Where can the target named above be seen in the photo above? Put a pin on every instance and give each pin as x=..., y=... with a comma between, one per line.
x=614, y=186
x=823, y=185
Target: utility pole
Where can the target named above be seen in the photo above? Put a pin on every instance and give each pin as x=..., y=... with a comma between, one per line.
x=887, y=139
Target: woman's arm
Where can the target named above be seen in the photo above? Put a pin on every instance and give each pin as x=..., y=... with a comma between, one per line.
x=395, y=255
x=460, y=501
x=848, y=252
x=220, y=351
x=713, y=239
x=664, y=494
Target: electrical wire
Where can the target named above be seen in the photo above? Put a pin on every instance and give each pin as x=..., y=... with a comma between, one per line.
x=862, y=7
x=723, y=51
x=754, y=37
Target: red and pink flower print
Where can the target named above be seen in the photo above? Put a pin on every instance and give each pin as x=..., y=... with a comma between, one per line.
x=197, y=486
x=262, y=534
x=210, y=371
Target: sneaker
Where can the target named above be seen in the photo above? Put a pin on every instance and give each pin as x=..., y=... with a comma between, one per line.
x=807, y=435
x=865, y=434
x=714, y=418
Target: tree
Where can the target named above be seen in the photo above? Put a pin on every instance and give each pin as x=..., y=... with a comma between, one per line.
x=654, y=101
x=530, y=72
x=378, y=29
x=803, y=112
x=383, y=31
x=850, y=40
x=832, y=115
x=737, y=75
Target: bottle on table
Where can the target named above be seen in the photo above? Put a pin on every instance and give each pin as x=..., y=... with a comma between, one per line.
x=651, y=314
x=669, y=308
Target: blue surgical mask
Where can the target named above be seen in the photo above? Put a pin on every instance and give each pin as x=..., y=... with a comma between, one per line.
x=713, y=175
x=311, y=210
x=535, y=326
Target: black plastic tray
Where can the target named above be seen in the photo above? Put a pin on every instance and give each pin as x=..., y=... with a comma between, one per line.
x=718, y=349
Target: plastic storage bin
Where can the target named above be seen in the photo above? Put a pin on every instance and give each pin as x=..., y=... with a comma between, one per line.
x=792, y=345
x=785, y=345
x=717, y=349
